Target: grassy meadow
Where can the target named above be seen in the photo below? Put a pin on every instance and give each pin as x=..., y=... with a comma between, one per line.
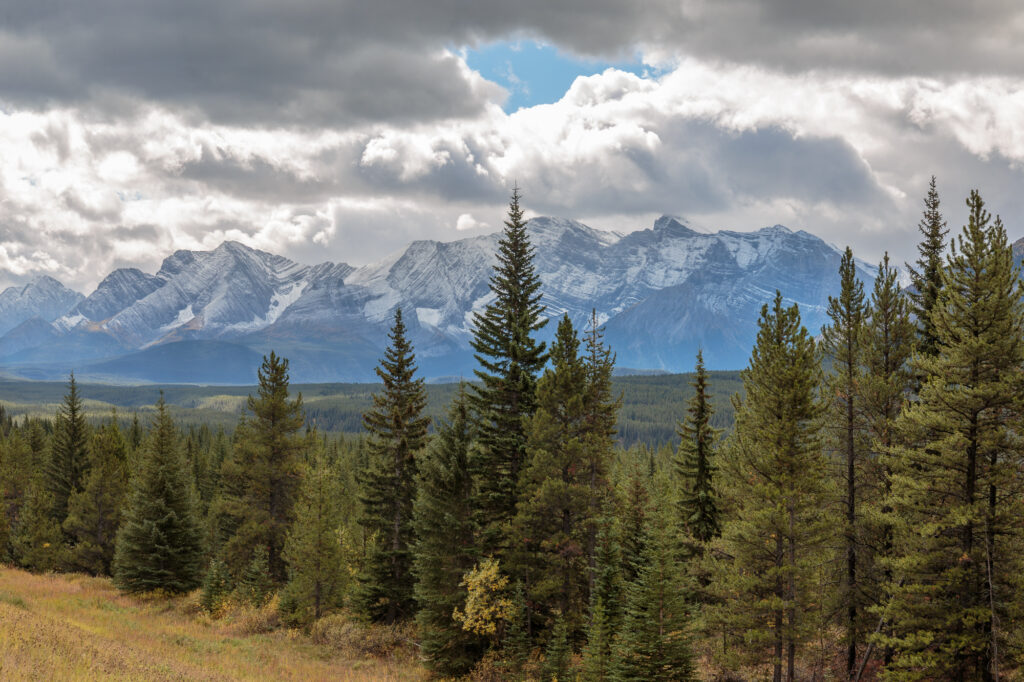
x=75, y=627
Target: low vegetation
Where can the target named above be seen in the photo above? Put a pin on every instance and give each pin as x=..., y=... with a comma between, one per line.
x=76, y=627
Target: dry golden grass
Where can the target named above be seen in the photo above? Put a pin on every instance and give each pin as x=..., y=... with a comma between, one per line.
x=73, y=627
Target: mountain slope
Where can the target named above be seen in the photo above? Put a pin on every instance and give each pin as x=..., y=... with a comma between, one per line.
x=43, y=297
x=662, y=293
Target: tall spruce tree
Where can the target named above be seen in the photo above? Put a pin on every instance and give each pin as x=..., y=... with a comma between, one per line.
x=600, y=417
x=553, y=513
x=445, y=548
x=94, y=513
x=317, y=574
x=69, y=452
x=159, y=544
x=885, y=383
x=397, y=431
x=510, y=359
x=841, y=345
x=956, y=486
x=926, y=280
x=776, y=481
x=698, y=504
x=260, y=483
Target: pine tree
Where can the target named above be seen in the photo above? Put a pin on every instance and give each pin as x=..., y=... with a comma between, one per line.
x=597, y=654
x=600, y=416
x=956, y=484
x=260, y=482
x=605, y=603
x=69, y=453
x=37, y=543
x=653, y=643
x=841, y=345
x=775, y=478
x=927, y=279
x=553, y=515
x=256, y=585
x=516, y=645
x=397, y=433
x=510, y=360
x=445, y=549
x=888, y=338
x=633, y=521
x=158, y=546
x=557, y=652
x=16, y=467
x=94, y=513
x=698, y=505
x=217, y=588
x=316, y=569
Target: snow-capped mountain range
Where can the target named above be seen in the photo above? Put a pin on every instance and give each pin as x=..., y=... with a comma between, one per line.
x=208, y=316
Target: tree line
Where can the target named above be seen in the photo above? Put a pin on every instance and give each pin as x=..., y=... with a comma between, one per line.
x=860, y=520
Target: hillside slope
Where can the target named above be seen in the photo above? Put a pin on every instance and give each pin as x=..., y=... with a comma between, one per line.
x=73, y=627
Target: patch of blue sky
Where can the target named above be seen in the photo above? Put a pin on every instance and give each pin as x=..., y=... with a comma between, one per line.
x=537, y=73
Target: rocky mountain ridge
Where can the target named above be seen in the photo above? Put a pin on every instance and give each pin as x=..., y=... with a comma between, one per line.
x=661, y=293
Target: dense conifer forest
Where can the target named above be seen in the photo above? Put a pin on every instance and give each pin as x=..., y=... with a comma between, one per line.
x=853, y=512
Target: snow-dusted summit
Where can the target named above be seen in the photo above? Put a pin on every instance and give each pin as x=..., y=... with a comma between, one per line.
x=44, y=298
x=661, y=292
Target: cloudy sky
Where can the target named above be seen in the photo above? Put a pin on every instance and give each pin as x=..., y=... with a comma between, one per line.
x=342, y=129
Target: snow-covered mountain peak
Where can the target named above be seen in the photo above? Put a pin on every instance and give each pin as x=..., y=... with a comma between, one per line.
x=674, y=226
x=42, y=297
x=661, y=291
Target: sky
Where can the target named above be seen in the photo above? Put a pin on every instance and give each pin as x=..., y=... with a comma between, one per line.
x=341, y=129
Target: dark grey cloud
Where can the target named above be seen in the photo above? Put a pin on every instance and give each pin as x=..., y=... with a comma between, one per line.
x=332, y=63
x=919, y=37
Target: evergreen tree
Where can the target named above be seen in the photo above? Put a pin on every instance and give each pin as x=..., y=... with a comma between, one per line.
x=653, y=644
x=37, y=543
x=597, y=654
x=397, y=433
x=260, y=482
x=633, y=521
x=516, y=645
x=158, y=546
x=69, y=452
x=776, y=480
x=605, y=605
x=841, y=345
x=956, y=484
x=256, y=585
x=510, y=359
x=316, y=569
x=445, y=550
x=552, y=523
x=16, y=467
x=600, y=416
x=698, y=505
x=927, y=279
x=94, y=513
x=217, y=588
x=888, y=338
x=558, y=652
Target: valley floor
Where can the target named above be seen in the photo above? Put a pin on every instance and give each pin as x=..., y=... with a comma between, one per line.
x=74, y=627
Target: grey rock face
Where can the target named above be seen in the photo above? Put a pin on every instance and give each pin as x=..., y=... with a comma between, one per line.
x=661, y=292
x=43, y=297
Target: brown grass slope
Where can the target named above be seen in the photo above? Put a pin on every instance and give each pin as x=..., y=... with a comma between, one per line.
x=73, y=627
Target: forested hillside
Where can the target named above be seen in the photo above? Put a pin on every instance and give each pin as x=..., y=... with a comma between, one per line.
x=651, y=404
x=854, y=511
